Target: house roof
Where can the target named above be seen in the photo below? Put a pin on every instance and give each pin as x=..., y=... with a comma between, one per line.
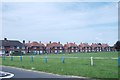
x=11, y=43
x=70, y=45
x=35, y=44
x=96, y=45
x=54, y=44
x=84, y=45
x=105, y=45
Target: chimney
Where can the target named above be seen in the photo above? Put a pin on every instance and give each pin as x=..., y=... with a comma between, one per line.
x=29, y=42
x=74, y=42
x=59, y=42
x=24, y=41
x=5, y=38
x=50, y=42
x=67, y=42
x=40, y=41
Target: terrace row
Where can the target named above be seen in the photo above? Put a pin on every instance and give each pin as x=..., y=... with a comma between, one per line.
x=9, y=46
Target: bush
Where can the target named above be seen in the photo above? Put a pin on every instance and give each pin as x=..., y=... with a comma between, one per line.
x=17, y=53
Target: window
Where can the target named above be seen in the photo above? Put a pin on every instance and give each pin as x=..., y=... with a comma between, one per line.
x=55, y=47
x=23, y=47
x=60, y=50
x=60, y=47
x=56, y=51
x=72, y=50
x=34, y=47
x=18, y=47
x=2, y=47
x=76, y=50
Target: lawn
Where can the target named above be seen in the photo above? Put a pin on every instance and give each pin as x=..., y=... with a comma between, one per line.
x=78, y=64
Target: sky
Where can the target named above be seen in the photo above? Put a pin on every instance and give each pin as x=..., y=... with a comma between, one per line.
x=89, y=22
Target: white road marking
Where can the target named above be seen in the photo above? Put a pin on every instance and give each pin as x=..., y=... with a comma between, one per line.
x=8, y=76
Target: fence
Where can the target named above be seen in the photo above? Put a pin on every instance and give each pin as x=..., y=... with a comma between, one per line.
x=46, y=58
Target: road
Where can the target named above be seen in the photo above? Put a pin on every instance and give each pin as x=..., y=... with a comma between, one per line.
x=23, y=73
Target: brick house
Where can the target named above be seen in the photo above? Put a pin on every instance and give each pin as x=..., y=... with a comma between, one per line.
x=71, y=48
x=106, y=47
x=54, y=47
x=9, y=46
x=97, y=47
x=35, y=47
x=85, y=47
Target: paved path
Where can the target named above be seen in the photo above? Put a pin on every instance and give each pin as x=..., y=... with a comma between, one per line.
x=23, y=73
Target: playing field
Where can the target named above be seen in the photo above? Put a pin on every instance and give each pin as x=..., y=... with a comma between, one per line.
x=78, y=64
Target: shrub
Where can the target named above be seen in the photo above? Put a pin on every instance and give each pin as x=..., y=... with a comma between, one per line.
x=17, y=53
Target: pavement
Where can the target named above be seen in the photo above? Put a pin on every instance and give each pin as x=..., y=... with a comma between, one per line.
x=24, y=73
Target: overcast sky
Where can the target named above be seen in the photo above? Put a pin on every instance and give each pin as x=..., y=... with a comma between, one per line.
x=61, y=21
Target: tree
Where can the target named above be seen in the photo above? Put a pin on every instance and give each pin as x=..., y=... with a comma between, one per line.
x=117, y=46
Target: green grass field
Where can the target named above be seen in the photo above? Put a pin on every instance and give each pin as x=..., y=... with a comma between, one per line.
x=78, y=64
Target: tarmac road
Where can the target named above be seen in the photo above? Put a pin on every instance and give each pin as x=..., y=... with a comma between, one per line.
x=23, y=73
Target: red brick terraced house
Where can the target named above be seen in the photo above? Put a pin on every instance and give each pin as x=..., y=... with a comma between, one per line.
x=35, y=47
x=71, y=48
x=54, y=47
x=85, y=47
x=9, y=46
x=106, y=47
x=96, y=47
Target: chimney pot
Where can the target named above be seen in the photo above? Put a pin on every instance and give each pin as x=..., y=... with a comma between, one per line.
x=5, y=38
x=23, y=41
x=59, y=42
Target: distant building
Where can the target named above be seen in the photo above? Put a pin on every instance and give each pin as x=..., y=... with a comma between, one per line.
x=54, y=47
x=35, y=47
x=97, y=47
x=9, y=46
x=106, y=47
x=85, y=47
x=71, y=48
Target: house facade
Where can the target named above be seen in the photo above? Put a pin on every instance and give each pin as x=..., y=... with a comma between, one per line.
x=97, y=47
x=106, y=47
x=85, y=47
x=54, y=47
x=71, y=48
x=9, y=46
x=35, y=47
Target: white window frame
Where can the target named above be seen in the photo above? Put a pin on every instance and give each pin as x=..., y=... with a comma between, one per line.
x=23, y=47
x=60, y=47
x=18, y=47
x=55, y=47
x=35, y=47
